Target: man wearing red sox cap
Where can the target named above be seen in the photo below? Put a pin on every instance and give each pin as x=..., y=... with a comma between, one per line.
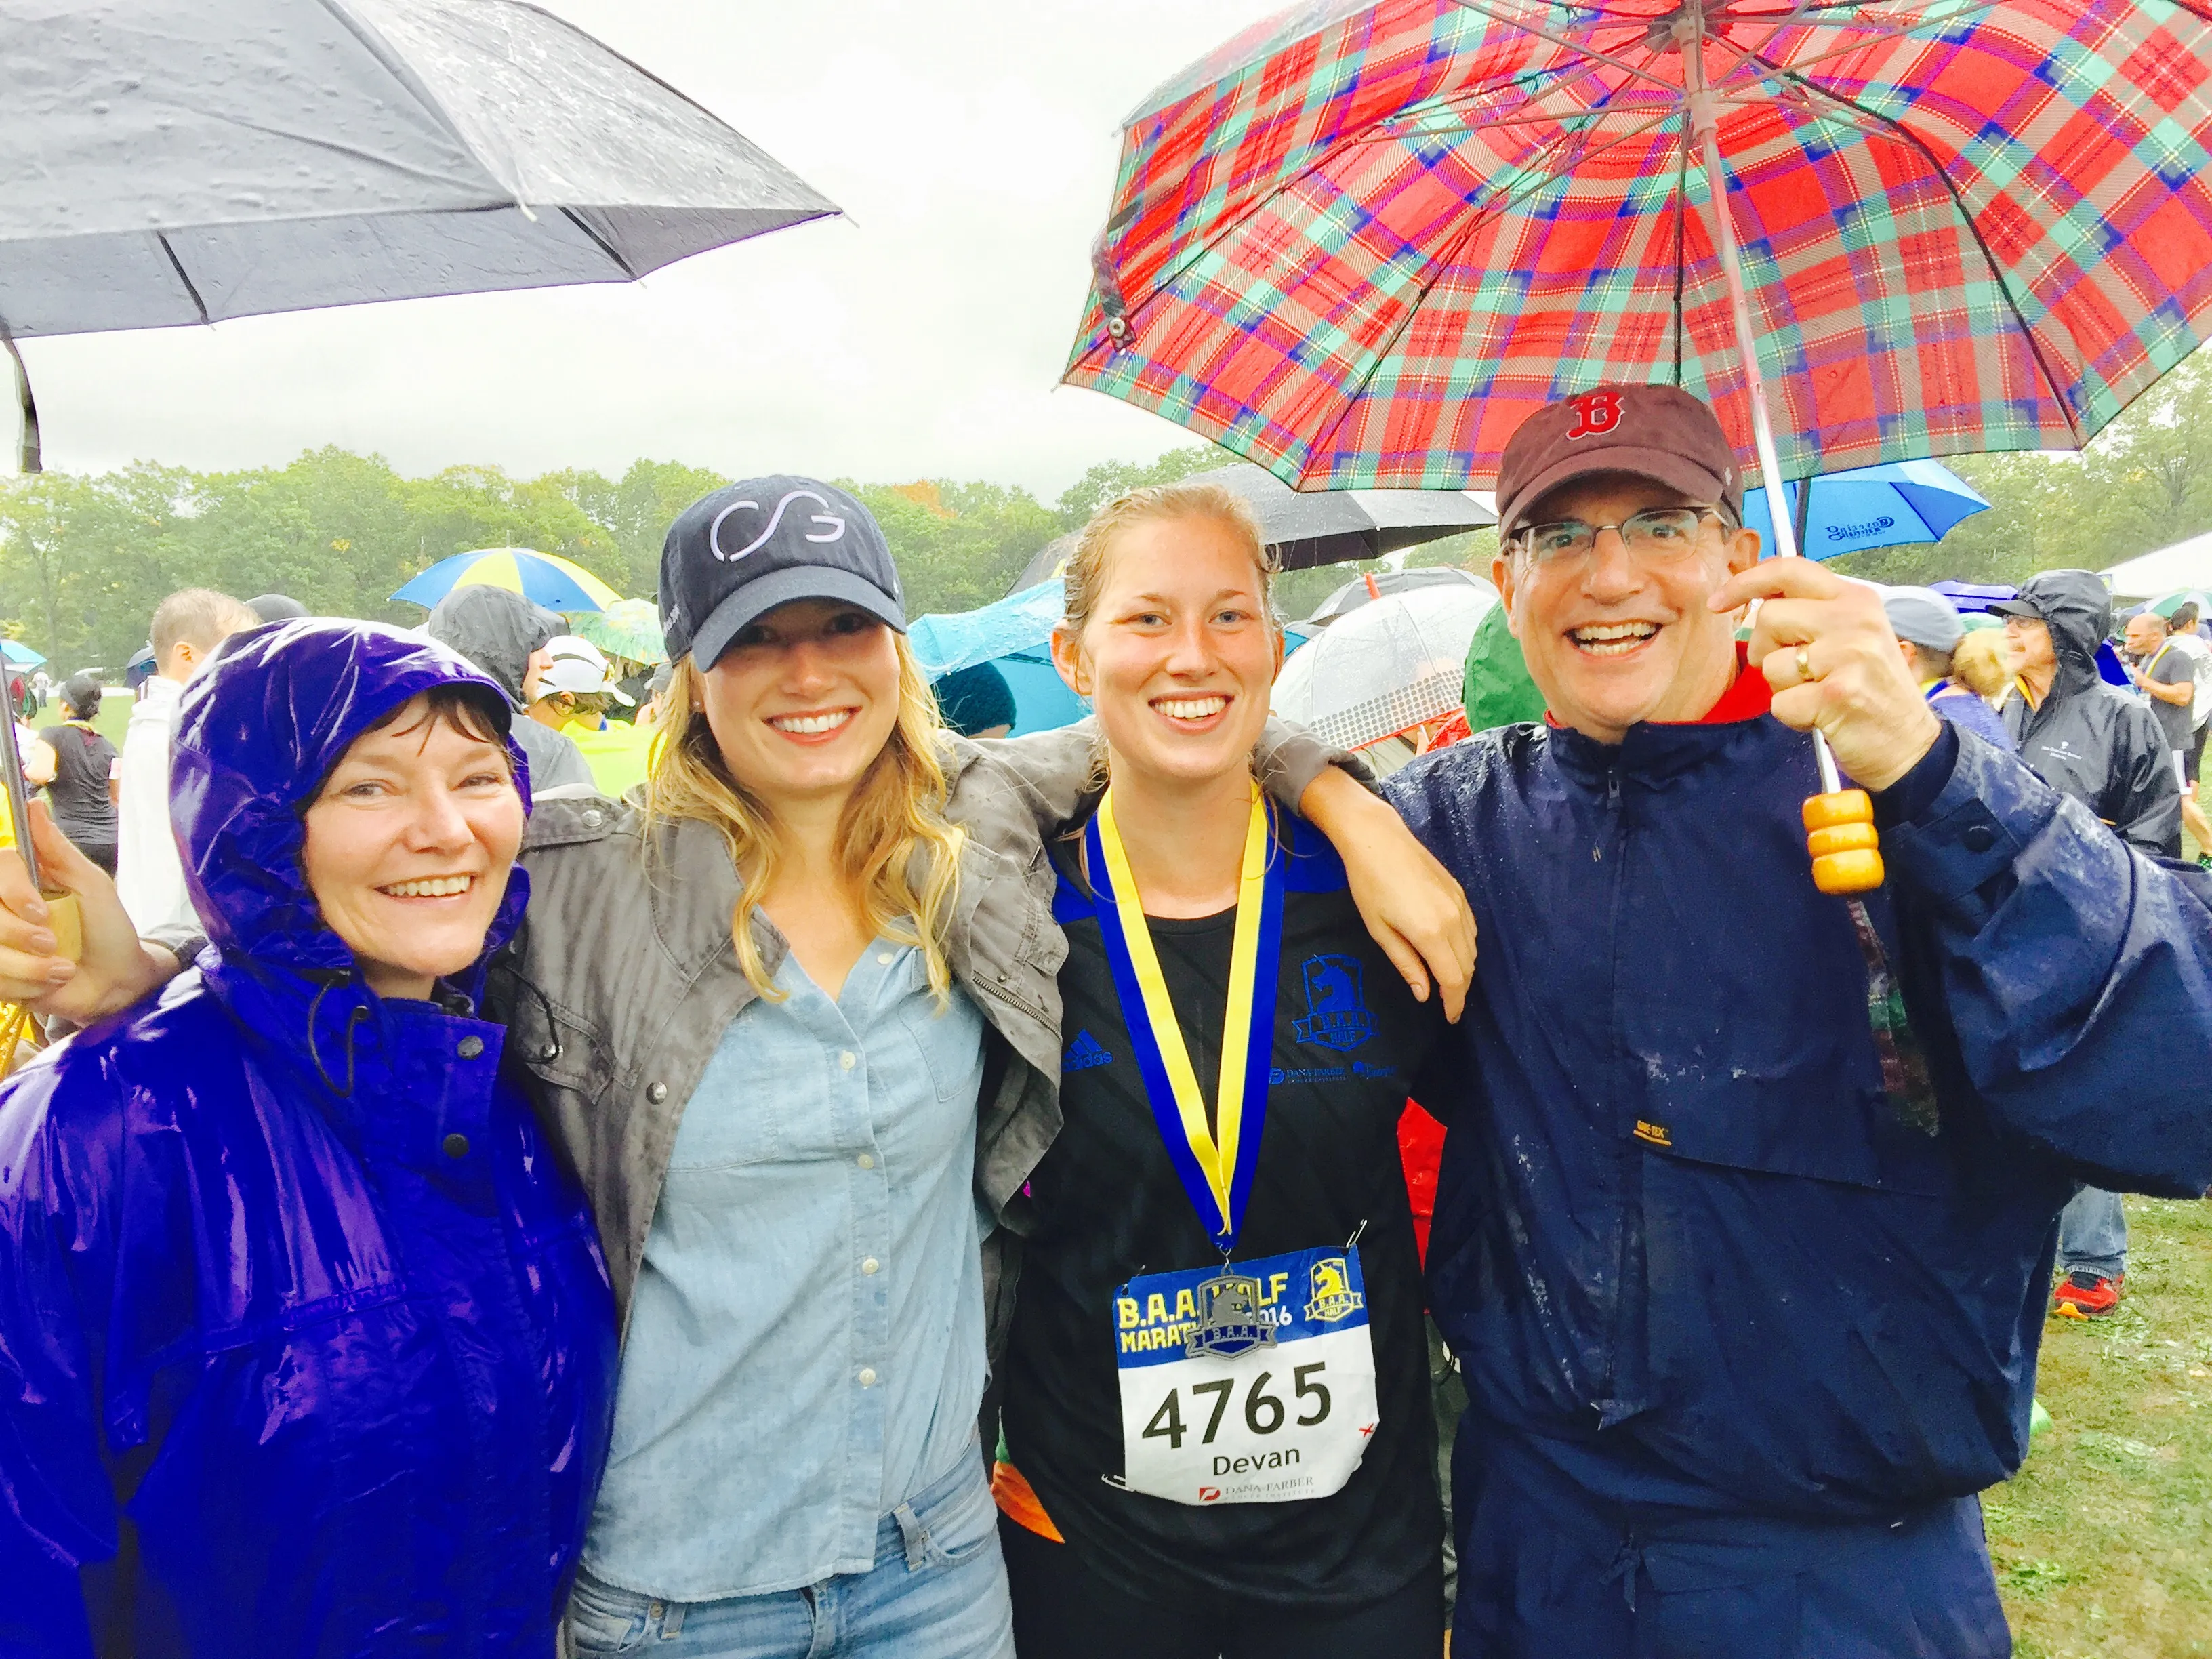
x=1743, y=1245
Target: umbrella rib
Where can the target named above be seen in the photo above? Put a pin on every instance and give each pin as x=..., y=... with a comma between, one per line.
x=178, y=266
x=1906, y=134
x=1896, y=32
x=601, y=242
x=1564, y=42
x=1742, y=54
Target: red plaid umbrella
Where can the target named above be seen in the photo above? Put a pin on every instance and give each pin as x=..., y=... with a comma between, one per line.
x=1362, y=241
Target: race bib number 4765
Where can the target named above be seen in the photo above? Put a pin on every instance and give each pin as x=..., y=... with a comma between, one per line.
x=1253, y=1384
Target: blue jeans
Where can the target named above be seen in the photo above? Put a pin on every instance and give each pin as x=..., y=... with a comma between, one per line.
x=938, y=1591
x=2093, y=1235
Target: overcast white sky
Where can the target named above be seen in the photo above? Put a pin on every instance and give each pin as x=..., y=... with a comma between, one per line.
x=972, y=145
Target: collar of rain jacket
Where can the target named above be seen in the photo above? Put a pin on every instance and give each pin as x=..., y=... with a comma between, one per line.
x=1654, y=752
x=258, y=732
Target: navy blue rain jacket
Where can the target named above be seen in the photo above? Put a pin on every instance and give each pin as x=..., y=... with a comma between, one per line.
x=307, y=1345
x=1685, y=1246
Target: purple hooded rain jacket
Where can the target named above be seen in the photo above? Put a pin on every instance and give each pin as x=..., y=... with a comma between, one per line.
x=306, y=1341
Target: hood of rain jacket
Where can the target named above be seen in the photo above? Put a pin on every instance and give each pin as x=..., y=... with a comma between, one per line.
x=1688, y=1242
x=337, y=1378
x=2095, y=742
x=495, y=629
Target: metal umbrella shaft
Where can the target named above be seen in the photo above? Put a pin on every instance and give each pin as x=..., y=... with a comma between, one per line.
x=1839, y=820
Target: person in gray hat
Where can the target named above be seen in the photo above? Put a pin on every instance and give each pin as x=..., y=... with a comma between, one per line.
x=1928, y=632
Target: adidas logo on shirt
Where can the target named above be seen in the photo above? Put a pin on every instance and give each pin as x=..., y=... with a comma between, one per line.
x=1085, y=1052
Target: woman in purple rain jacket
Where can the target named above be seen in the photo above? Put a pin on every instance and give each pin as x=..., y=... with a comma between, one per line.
x=306, y=1340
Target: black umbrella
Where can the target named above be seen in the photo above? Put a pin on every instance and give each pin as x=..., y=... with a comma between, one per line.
x=1322, y=526
x=174, y=161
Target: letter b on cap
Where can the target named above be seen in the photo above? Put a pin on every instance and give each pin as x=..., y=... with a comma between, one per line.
x=1595, y=412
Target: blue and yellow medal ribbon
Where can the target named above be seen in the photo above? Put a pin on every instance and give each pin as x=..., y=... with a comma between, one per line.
x=1216, y=1170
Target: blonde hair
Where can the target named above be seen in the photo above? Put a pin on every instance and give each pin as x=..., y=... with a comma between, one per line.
x=894, y=845
x=1980, y=663
x=1086, y=566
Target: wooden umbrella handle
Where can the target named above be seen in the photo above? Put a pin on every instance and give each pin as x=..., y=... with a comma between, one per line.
x=1846, y=853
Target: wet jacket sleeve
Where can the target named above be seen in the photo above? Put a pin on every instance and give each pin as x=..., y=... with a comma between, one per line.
x=2146, y=798
x=56, y=1503
x=2075, y=971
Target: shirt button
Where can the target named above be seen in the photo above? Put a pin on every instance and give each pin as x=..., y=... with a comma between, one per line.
x=1979, y=837
x=848, y=1059
x=884, y=957
x=867, y=1376
x=656, y=1093
x=870, y=1266
x=591, y=818
x=469, y=1047
x=457, y=1146
x=658, y=1610
x=867, y=1160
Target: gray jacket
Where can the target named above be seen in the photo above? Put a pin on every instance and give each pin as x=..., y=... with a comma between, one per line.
x=2089, y=740
x=624, y=977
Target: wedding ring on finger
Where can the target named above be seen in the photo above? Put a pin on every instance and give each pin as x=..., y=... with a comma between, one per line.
x=1804, y=664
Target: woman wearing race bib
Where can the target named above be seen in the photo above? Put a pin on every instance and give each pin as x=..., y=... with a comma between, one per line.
x=1216, y=1413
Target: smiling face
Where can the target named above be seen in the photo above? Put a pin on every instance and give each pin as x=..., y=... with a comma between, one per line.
x=1178, y=653
x=409, y=844
x=802, y=701
x=1613, y=636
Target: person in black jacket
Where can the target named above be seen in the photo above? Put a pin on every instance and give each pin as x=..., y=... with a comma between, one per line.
x=2094, y=742
x=504, y=634
x=82, y=792
x=2083, y=738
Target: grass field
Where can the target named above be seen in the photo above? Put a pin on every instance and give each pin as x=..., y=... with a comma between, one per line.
x=2102, y=1542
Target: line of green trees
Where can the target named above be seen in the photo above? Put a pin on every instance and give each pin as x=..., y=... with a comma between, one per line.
x=85, y=558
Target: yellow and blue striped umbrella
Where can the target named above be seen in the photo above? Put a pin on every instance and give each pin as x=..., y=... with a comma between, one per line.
x=556, y=583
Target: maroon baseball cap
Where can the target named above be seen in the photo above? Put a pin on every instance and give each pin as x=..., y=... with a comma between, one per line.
x=1657, y=432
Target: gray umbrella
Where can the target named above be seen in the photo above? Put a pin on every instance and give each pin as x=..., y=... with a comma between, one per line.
x=171, y=162
x=1323, y=526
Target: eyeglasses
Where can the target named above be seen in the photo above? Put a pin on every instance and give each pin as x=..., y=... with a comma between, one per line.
x=1658, y=532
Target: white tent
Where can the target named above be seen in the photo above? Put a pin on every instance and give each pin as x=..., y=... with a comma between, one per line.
x=2186, y=564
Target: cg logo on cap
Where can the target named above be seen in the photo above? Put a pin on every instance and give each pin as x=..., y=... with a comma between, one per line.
x=835, y=532
x=1595, y=412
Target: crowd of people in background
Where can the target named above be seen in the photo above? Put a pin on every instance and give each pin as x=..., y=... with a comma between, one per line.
x=738, y=1162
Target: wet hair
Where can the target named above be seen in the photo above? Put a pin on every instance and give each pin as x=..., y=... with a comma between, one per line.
x=1979, y=663
x=2183, y=619
x=199, y=618
x=474, y=711
x=80, y=695
x=1162, y=503
x=586, y=703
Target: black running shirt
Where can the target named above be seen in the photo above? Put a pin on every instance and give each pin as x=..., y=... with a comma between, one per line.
x=1108, y=1206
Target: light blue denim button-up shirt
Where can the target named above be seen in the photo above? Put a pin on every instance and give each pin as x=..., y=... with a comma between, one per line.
x=806, y=1349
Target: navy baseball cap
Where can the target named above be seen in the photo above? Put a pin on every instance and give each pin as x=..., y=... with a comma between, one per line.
x=735, y=555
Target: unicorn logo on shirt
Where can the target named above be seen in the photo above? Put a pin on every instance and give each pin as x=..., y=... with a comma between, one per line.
x=1337, y=1015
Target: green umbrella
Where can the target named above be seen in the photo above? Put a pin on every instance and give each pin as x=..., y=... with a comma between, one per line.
x=1498, y=689
x=628, y=628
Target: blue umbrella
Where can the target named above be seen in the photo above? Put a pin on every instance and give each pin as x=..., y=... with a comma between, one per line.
x=1014, y=635
x=1871, y=507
